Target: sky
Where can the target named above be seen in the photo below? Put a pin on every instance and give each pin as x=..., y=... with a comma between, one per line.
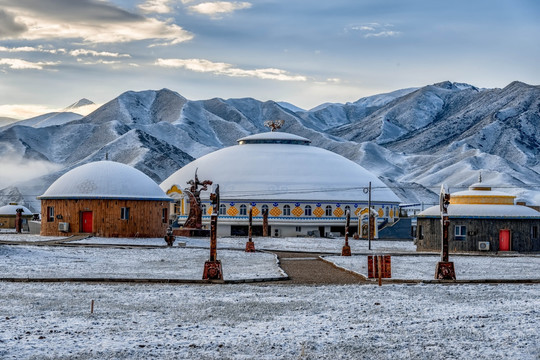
x=305, y=52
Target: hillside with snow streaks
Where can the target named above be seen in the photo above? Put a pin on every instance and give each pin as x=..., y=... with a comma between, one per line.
x=413, y=139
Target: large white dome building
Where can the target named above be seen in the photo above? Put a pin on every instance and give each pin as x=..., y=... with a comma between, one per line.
x=305, y=189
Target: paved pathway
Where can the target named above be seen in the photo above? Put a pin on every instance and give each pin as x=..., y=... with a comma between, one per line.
x=309, y=269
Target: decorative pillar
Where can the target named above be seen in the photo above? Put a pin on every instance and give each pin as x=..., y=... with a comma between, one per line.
x=250, y=245
x=18, y=220
x=212, y=267
x=346, y=250
x=265, y=222
x=445, y=268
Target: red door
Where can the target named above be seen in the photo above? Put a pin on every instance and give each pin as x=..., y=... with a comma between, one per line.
x=86, y=221
x=504, y=240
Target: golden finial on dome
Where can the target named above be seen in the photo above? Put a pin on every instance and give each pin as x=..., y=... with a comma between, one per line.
x=274, y=124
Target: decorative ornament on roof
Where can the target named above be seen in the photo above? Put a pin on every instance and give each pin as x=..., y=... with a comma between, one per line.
x=274, y=124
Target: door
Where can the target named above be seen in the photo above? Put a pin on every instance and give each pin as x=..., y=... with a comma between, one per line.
x=86, y=221
x=504, y=240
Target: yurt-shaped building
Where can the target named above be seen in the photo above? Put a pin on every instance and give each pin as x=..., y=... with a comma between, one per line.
x=481, y=219
x=8, y=216
x=107, y=199
x=306, y=190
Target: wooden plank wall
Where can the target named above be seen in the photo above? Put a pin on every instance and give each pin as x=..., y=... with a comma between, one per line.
x=145, y=217
x=482, y=230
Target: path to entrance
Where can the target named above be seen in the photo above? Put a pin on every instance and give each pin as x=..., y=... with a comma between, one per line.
x=309, y=269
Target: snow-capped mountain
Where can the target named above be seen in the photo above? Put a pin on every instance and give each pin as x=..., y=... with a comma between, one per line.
x=413, y=139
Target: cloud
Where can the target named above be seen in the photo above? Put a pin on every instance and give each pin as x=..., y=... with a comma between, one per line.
x=374, y=30
x=94, y=21
x=16, y=169
x=156, y=6
x=31, y=49
x=8, y=26
x=19, y=64
x=217, y=8
x=219, y=68
x=27, y=111
x=86, y=52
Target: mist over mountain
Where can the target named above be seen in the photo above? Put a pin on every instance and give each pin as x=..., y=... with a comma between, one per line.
x=413, y=139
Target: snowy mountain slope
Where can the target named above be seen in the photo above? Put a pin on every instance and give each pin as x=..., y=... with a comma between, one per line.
x=413, y=139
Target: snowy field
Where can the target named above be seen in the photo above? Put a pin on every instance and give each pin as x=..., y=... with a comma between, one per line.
x=307, y=244
x=53, y=321
x=167, y=263
x=466, y=267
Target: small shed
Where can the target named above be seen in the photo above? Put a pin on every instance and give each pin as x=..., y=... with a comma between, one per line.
x=8, y=214
x=106, y=199
x=482, y=220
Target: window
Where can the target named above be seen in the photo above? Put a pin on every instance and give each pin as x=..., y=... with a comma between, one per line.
x=347, y=208
x=299, y=228
x=286, y=210
x=307, y=210
x=164, y=216
x=264, y=208
x=328, y=210
x=203, y=209
x=387, y=211
x=222, y=209
x=124, y=213
x=534, y=232
x=50, y=213
x=460, y=232
x=243, y=210
x=177, y=208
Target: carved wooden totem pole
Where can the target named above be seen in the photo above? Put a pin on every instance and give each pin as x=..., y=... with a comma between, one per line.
x=194, y=220
x=445, y=268
x=250, y=245
x=346, y=250
x=265, y=222
x=212, y=267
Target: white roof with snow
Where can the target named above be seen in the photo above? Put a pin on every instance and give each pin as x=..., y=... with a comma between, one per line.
x=105, y=180
x=482, y=211
x=11, y=210
x=282, y=167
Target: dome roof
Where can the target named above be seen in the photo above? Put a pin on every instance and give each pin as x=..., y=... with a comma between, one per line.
x=480, y=193
x=11, y=210
x=483, y=211
x=104, y=180
x=280, y=166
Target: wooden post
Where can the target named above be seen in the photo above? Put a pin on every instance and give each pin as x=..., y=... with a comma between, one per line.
x=212, y=268
x=92, y=307
x=265, y=222
x=346, y=250
x=445, y=269
x=369, y=217
x=379, y=268
x=250, y=245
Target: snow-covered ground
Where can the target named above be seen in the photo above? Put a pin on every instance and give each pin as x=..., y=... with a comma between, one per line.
x=53, y=321
x=466, y=267
x=166, y=263
x=265, y=321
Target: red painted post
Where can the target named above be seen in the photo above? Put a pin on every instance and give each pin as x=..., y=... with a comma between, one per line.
x=346, y=250
x=212, y=268
x=445, y=269
x=250, y=245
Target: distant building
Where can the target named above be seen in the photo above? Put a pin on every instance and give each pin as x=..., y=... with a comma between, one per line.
x=305, y=189
x=8, y=214
x=481, y=220
x=107, y=199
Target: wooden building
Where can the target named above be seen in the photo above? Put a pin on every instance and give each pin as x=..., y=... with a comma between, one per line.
x=106, y=199
x=8, y=215
x=481, y=220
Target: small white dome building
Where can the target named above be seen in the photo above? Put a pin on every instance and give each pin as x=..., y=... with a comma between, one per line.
x=107, y=199
x=8, y=215
x=481, y=219
x=305, y=189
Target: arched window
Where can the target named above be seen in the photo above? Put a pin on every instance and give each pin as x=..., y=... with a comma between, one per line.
x=387, y=211
x=222, y=209
x=347, y=208
x=203, y=209
x=243, y=210
x=307, y=210
x=328, y=211
x=286, y=210
x=264, y=208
